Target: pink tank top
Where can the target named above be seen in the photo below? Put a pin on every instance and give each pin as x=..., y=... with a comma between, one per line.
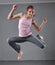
x=24, y=26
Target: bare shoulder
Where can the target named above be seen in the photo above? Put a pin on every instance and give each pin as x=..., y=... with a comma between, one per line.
x=20, y=14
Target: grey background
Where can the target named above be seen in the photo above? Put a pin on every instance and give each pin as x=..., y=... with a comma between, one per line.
x=25, y=1
x=8, y=28
x=29, y=62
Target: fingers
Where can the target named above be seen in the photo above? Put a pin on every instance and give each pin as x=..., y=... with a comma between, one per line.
x=15, y=7
x=44, y=20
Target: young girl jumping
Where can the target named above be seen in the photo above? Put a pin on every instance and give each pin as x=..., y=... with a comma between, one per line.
x=25, y=34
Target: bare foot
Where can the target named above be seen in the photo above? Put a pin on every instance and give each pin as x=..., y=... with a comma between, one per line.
x=41, y=37
x=20, y=55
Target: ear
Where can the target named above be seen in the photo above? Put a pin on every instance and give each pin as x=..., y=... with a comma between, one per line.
x=33, y=12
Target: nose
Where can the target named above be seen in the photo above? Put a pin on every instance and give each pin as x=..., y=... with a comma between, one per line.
x=31, y=13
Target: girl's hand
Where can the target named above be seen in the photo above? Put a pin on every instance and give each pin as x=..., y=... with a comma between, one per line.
x=14, y=7
x=44, y=20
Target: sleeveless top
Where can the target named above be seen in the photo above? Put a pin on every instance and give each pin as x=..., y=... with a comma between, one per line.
x=24, y=26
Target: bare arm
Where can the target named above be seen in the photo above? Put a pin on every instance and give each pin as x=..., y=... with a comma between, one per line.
x=39, y=28
x=11, y=16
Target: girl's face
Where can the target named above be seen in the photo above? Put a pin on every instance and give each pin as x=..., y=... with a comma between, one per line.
x=30, y=12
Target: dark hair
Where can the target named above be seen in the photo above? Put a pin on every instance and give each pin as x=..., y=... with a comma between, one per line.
x=30, y=7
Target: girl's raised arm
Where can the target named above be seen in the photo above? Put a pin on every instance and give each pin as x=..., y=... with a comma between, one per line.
x=11, y=16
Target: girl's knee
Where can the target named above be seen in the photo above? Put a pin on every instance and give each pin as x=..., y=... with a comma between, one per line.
x=10, y=42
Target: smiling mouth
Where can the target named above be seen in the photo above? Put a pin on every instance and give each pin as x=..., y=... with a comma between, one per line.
x=30, y=15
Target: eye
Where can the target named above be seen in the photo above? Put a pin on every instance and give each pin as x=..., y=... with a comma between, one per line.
x=30, y=11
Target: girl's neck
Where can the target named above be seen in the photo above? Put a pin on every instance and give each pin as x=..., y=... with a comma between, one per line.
x=26, y=15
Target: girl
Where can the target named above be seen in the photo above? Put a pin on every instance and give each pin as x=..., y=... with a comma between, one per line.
x=25, y=34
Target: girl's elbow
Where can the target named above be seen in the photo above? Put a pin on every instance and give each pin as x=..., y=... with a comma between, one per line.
x=39, y=30
x=9, y=18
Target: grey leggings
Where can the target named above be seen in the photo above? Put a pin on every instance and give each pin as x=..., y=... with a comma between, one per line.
x=13, y=40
